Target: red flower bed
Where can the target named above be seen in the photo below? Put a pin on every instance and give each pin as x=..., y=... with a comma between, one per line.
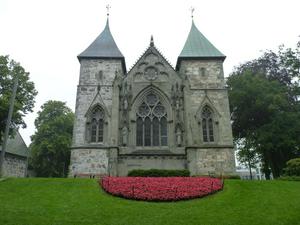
x=161, y=188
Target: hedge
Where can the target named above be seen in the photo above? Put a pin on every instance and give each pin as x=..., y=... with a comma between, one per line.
x=159, y=173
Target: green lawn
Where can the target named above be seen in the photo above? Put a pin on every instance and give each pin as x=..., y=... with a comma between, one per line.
x=81, y=201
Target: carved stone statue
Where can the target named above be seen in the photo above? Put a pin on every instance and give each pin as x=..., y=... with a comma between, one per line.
x=124, y=135
x=177, y=104
x=178, y=136
x=125, y=104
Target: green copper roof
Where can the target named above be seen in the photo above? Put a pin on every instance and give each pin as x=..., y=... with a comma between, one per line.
x=104, y=46
x=197, y=45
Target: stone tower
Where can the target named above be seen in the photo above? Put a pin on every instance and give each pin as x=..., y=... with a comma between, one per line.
x=207, y=118
x=153, y=116
x=95, y=132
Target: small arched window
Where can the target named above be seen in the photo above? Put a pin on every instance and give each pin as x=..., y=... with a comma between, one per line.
x=207, y=124
x=151, y=123
x=96, y=124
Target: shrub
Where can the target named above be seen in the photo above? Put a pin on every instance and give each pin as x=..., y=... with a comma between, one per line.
x=293, y=167
x=159, y=173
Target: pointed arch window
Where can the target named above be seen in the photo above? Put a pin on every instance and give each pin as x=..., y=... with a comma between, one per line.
x=96, y=124
x=151, y=125
x=207, y=125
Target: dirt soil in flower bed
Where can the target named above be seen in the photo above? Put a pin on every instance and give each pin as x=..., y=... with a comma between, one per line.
x=161, y=188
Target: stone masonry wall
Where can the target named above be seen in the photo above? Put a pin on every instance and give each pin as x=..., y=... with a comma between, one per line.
x=90, y=78
x=14, y=166
x=95, y=87
x=208, y=89
x=211, y=161
x=87, y=162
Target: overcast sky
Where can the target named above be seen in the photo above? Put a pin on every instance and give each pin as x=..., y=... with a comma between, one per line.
x=45, y=36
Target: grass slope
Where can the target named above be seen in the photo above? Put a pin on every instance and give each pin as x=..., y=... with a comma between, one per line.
x=81, y=201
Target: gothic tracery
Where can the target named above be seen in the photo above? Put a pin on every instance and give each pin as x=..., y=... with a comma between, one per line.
x=151, y=125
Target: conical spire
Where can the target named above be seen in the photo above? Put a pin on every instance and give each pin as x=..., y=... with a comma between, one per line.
x=197, y=46
x=104, y=46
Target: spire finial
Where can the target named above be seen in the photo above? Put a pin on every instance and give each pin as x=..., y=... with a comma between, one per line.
x=151, y=41
x=192, y=11
x=107, y=9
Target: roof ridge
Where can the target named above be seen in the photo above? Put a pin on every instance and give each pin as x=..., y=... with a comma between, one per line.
x=165, y=58
x=134, y=64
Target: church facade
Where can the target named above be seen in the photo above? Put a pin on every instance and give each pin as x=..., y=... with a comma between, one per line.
x=154, y=115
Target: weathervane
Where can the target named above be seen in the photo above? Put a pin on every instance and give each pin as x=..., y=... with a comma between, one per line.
x=107, y=9
x=192, y=11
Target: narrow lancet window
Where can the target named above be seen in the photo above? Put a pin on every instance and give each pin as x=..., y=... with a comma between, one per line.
x=207, y=125
x=97, y=124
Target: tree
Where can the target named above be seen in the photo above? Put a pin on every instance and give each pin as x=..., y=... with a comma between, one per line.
x=50, y=147
x=264, y=101
x=25, y=96
x=247, y=155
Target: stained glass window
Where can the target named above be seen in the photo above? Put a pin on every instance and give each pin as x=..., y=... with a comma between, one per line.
x=164, y=131
x=139, y=132
x=207, y=125
x=155, y=130
x=147, y=124
x=97, y=124
x=151, y=125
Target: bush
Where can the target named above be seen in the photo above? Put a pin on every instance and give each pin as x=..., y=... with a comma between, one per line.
x=159, y=173
x=292, y=167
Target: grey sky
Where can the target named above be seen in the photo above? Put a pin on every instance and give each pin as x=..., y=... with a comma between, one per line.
x=46, y=36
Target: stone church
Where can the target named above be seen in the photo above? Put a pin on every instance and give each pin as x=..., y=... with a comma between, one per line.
x=154, y=115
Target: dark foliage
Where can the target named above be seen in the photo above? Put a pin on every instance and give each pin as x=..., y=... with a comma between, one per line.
x=264, y=99
x=50, y=147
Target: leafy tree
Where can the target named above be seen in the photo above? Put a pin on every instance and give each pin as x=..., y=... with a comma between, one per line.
x=264, y=101
x=50, y=147
x=24, y=102
x=247, y=155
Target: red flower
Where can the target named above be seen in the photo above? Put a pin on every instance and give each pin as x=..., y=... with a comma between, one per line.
x=160, y=188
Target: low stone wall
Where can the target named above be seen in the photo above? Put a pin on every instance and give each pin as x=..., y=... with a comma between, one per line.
x=14, y=166
x=88, y=163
